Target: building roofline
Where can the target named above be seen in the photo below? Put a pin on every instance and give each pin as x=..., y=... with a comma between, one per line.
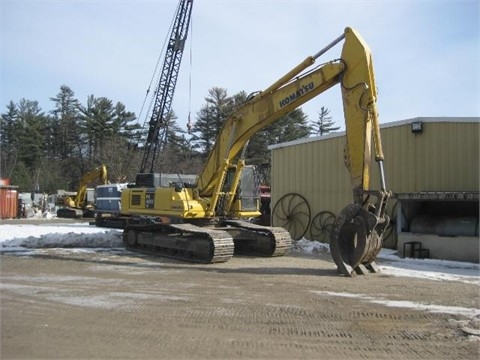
x=432, y=119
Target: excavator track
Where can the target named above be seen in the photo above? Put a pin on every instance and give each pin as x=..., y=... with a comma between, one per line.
x=257, y=240
x=180, y=241
x=192, y=243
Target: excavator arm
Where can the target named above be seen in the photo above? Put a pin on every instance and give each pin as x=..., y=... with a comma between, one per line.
x=261, y=111
x=356, y=238
x=354, y=71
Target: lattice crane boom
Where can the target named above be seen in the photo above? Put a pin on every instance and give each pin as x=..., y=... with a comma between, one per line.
x=158, y=123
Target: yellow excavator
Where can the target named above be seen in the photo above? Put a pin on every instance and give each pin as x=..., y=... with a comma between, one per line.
x=77, y=206
x=207, y=221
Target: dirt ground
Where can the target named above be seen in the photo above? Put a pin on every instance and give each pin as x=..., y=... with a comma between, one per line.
x=110, y=304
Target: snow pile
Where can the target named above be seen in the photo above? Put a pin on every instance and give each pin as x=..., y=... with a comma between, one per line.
x=391, y=264
x=76, y=235
x=310, y=247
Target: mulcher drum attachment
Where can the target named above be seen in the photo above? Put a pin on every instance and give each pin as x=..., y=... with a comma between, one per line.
x=356, y=240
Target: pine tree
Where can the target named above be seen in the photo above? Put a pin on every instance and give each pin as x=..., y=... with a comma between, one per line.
x=124, y=124
x=31, y=130
x=65, y=150
x=290, y=127
x=176, y=153
x=219, y=106
x=210, y=120
x=65, y=129
x=8, y=140
x=33, y=124
x=54, y=151
x=87, y=141
x=324, y=123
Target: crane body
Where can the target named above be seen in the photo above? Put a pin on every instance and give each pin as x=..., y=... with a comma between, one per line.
x=206, y=221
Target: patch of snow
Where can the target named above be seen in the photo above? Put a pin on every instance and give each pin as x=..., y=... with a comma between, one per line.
x=454, y=310
x=432, y=269
x=29, y=239
x=99, y=301
x=310, y=247
x=75, y=235
x=114, y=299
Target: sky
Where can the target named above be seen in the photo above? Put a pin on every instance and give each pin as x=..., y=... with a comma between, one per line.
x=426, y=53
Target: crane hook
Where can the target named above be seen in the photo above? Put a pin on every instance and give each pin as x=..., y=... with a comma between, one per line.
x=189, y=124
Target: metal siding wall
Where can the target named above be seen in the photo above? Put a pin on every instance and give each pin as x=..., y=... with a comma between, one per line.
x=314, y=170
x=445, y=157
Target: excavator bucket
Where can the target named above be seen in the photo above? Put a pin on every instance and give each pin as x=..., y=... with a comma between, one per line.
x=356, y=240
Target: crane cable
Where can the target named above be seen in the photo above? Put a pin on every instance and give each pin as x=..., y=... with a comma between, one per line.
x=154, y=76
x=189, y=121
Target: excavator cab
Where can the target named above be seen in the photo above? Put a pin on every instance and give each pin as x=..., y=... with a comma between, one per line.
x=246, y=198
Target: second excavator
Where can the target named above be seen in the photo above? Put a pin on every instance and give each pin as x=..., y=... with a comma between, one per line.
x=77, y=206
x=206, y=221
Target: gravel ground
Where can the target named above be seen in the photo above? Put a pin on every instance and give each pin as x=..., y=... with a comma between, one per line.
x=105, y=304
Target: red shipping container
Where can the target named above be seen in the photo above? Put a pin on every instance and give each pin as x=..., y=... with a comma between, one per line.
x=8, y=203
